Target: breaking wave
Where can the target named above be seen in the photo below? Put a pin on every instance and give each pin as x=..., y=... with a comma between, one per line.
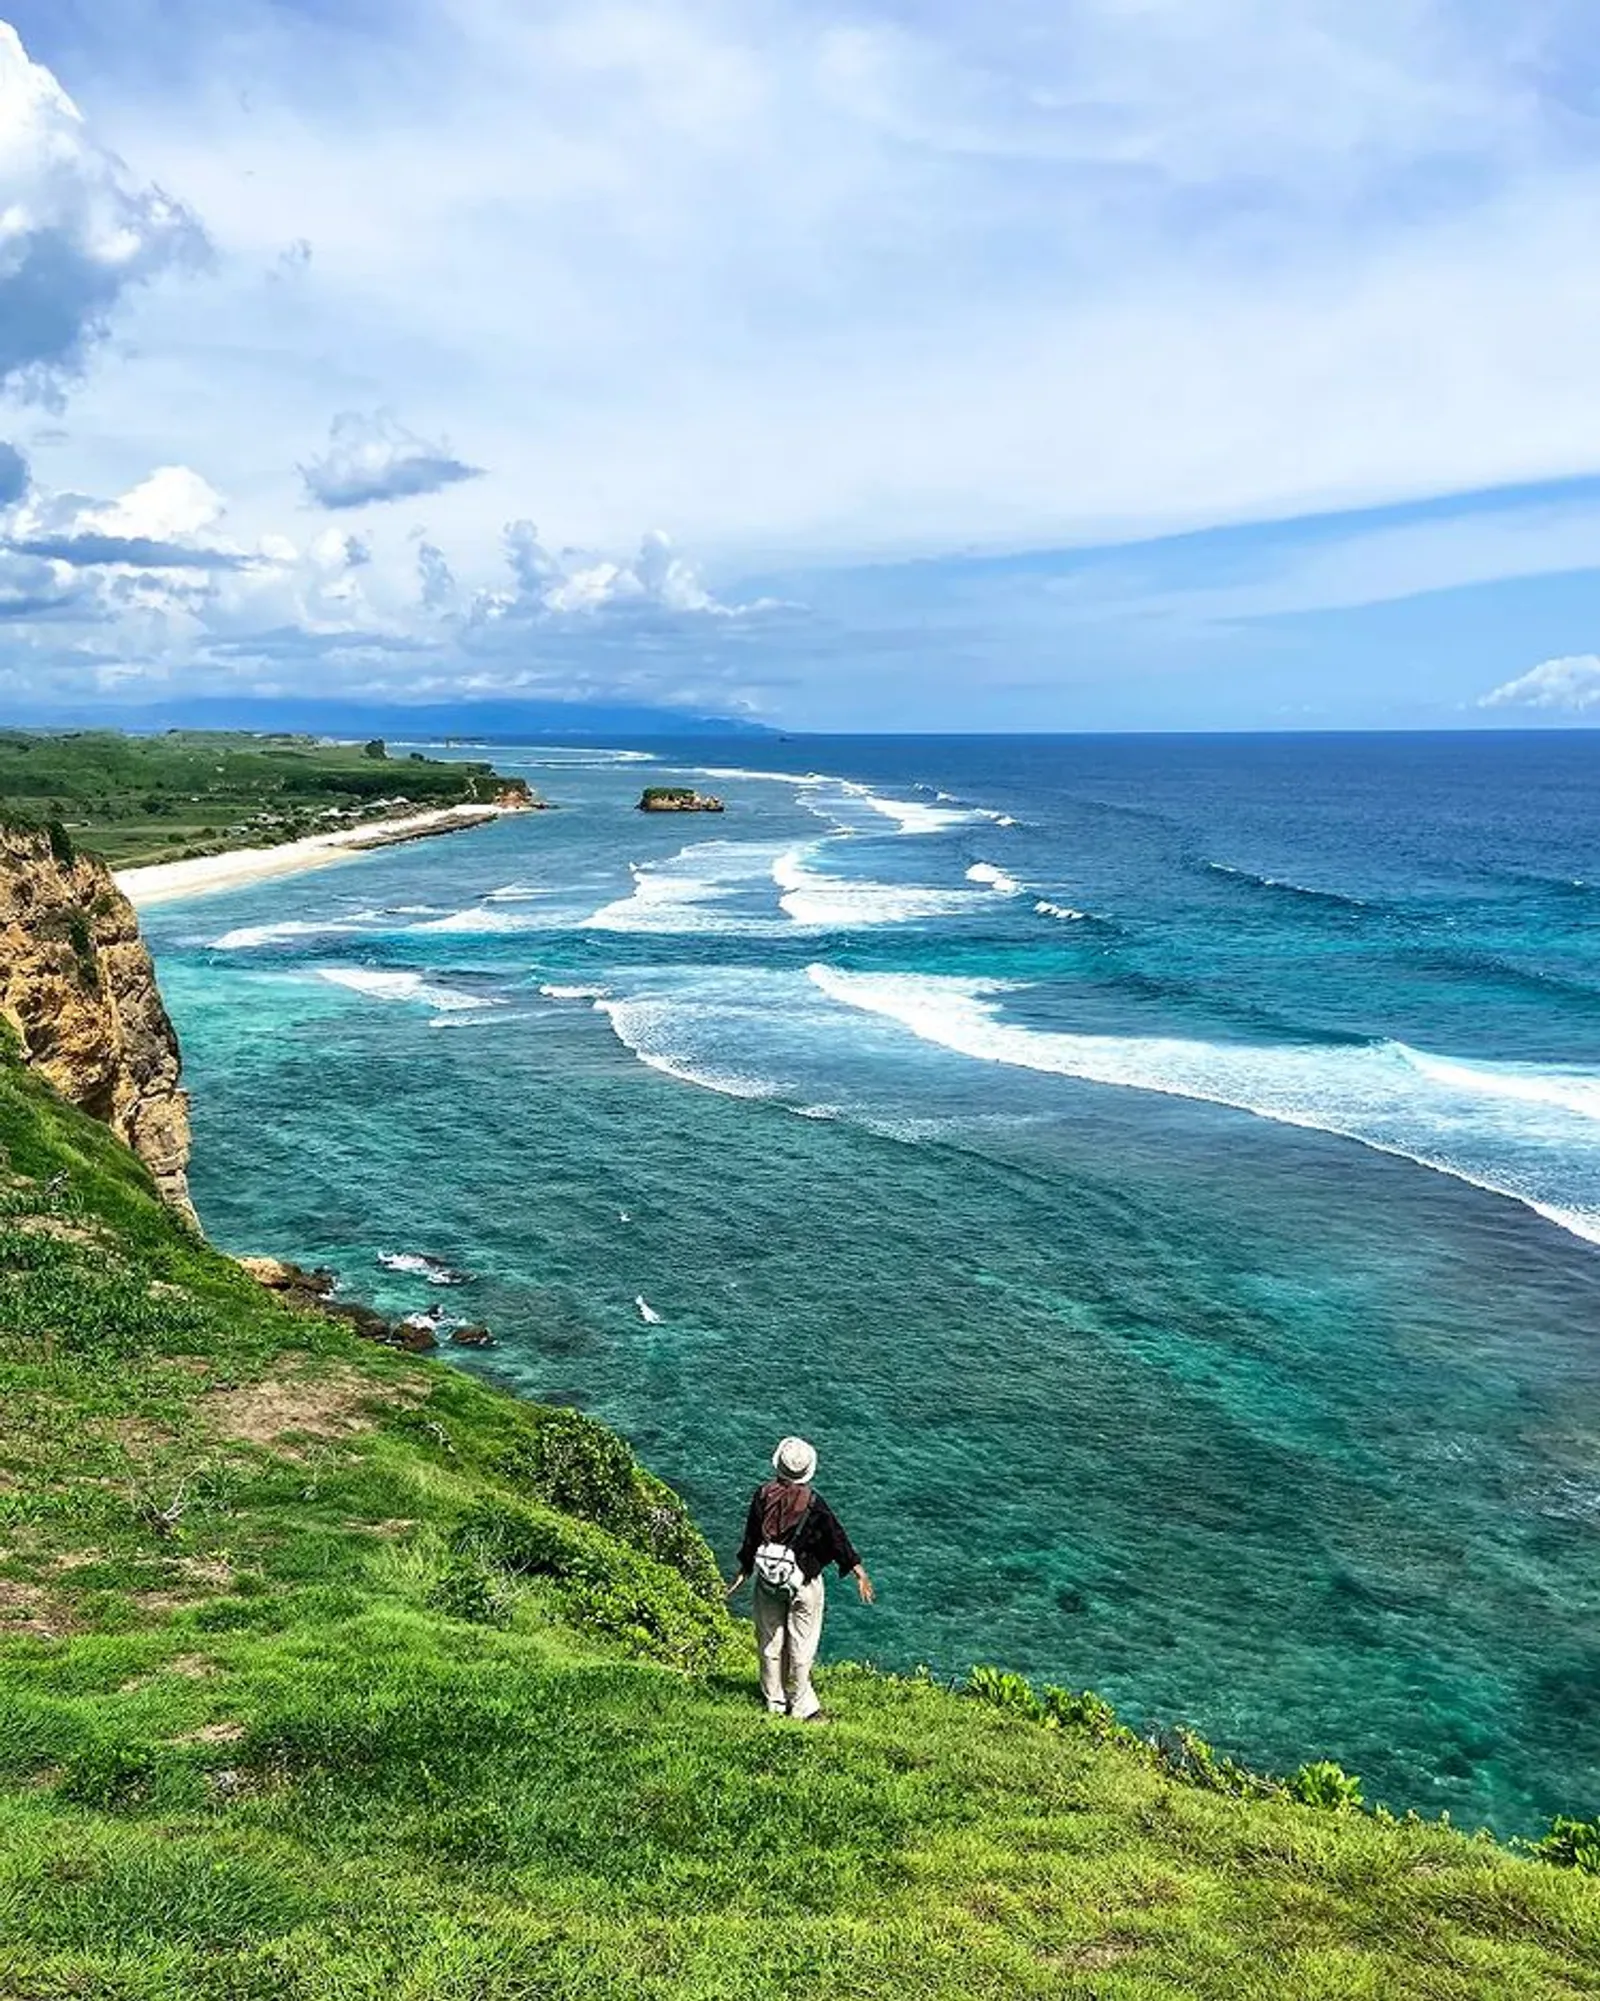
x=846, y=903
x=692, y=891
x=997, y=879
x=405, y=986
x=250, y=937
x=1513, y=1129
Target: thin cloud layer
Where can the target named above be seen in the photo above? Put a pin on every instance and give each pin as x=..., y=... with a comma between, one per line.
x=375, y=459
x=76, y=234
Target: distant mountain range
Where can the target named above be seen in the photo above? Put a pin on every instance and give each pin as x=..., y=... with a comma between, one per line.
x=505, y=721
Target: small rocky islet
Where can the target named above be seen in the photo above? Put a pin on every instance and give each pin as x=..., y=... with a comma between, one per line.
x=678, y=799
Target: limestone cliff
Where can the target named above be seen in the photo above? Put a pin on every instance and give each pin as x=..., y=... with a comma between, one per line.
x=77, y=985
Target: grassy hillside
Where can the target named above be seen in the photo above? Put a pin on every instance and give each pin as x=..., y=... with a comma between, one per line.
x=330, y=1672
x=159, y=798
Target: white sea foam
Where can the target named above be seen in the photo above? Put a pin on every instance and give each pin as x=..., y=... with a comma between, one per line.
x=554, y=992
x=477, y=919
x=690, y=892
x=647, y=1312
x=380, y=984
x=1064, y=911
x=997, y=879
x=912, y=816
x=514, y=892
x=248, y=937
x=418, y=1264
x=668, y=1032
x=1514, y=1129
x=765, y=777
x=847, y=903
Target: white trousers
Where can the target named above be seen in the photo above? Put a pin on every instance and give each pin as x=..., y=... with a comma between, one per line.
x=787, y=1632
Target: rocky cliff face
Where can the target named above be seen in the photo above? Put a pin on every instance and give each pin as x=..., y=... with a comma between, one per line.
x=77, y=985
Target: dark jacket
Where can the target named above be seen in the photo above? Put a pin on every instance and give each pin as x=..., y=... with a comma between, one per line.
x=819, y=1540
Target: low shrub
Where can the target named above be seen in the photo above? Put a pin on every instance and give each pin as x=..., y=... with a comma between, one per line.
x=1325, y=1784
x=1571, y=1844
x=472, y=1590
x=578, y=1465
x=605, y=1584
x=1010, y=1692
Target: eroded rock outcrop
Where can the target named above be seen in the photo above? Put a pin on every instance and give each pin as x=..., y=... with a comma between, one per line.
x=77, y=985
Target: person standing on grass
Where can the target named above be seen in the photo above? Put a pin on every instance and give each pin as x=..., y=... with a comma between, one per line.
x=791, y=1535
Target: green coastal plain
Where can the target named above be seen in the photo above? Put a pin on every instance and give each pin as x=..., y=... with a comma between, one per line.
x=139, y=799
x=331, y=1672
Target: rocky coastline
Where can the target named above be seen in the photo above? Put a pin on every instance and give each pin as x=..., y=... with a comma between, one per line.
x=303, y=1290
x=78, y=991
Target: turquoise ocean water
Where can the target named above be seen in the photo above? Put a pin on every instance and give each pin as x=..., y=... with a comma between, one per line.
x=1162, y=1175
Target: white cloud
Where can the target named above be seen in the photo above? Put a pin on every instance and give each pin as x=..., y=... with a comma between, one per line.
x=811, y=284
x=75, y=232
x=376, y=458
x=151, y=587
x=580, y=585
x=1571, y=684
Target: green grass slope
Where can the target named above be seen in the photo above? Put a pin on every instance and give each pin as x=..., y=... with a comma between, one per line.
x=328, y=1673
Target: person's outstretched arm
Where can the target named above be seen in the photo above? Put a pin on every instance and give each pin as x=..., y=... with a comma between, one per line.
x=842, y=1551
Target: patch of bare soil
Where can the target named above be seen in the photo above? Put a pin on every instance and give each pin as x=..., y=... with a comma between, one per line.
x=335, y=1403
x=29, y=1608
x=59, y=1228
x=211, y=1733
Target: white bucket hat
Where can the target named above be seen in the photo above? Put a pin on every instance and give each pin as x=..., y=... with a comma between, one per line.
x=794, y=1461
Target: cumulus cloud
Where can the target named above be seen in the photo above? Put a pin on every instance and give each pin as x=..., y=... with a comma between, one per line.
x=1571, y=683
x=75, y=232
x=577, y=584
x=166, y=522
x=376, y=458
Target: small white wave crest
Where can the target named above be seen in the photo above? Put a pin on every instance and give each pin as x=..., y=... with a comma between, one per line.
x=997, y=879
x=478, y=920
x=380, y=984
x=250, y=937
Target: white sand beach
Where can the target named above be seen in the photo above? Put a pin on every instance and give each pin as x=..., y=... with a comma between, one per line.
x=166, y=882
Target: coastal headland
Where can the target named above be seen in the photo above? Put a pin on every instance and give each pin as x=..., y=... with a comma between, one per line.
x=328, y=1669
x=190, y=812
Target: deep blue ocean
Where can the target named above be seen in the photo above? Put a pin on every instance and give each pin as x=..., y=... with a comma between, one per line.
x=1161, y=1174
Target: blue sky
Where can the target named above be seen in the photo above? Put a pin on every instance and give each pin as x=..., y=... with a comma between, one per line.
x=1050, y=363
